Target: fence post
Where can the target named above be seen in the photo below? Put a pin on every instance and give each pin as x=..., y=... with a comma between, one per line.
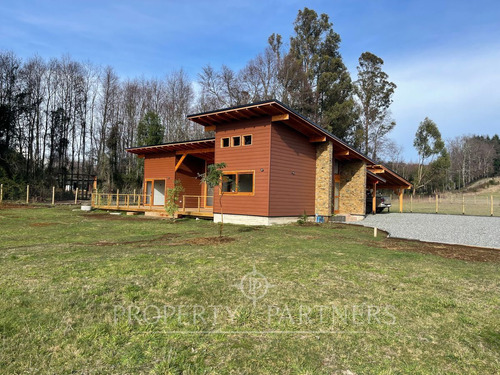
x=76, y=195
x=437, y=204
x=135, y=199
x=27, y=194
x=463, y=204
x=491, y=208
x=411, y=203
x=53, y=195
x=1, y=193
x=117, y=198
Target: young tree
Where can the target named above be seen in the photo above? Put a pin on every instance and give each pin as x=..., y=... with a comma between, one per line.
x=428, y=144
x=173, y=195
x=215, y=178
x=374, y=93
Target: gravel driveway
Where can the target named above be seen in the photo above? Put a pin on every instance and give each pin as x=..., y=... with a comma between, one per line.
x=452, y=229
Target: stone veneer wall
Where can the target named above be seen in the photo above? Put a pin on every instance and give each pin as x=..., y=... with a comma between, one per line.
x=324, y=179
x=352, y=199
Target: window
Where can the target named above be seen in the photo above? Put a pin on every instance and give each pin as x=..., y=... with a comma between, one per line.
x=225, y=142
x=247, y=140
x=229, y=183
x=245, y=183
x=236, y=141
x=238, y=183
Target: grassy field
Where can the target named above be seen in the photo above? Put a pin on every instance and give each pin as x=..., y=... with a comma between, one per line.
x=472, y=204
x=94, y=293
x=475, y=200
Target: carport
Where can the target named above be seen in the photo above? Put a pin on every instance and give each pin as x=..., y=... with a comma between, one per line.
x=380, y=177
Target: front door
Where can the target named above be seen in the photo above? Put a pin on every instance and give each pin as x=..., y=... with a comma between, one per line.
x=209, y=196
x=159, y=193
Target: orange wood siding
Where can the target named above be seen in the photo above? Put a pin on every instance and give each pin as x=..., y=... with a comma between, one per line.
x=246, y=158
x=161, y=166
x=293, y=172
x=188, y=175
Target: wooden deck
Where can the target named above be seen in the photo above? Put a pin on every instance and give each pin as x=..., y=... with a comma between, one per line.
x=135, y=203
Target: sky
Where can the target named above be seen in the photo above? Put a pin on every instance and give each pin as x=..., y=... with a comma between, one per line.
x=444, y=56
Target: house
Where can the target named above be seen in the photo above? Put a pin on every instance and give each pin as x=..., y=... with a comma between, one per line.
x=280, y=165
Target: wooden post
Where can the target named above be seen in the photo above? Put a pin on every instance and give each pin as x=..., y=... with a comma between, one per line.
x=199, y=198
x=1, y=193
x=375, y=232
x=135, y=199
x=374, y=198
x=53, y=195
x=463, y=204
x=76, y=195
x=400, y=200
x=184, y=203
x=128, y=200
x=491, y=207
x=117, y=198
x=27, y=194
x=411, y=203
x=437, y=204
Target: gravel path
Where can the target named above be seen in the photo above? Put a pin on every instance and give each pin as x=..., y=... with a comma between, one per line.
x=452, y=229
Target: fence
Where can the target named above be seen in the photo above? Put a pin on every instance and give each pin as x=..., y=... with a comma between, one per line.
x=30, y=194
x=454, y=204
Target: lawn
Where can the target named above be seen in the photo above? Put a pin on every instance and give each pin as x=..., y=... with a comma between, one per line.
x=92, y=293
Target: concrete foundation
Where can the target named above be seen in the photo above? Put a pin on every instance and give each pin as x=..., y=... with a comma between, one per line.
x=256, y=220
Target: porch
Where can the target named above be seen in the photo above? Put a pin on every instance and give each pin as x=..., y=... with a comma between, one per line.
x=189, y=205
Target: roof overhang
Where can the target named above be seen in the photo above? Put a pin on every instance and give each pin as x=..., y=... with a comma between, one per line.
x=373, y=178
x=278, y=112
x=392, y=179
x=187, y=147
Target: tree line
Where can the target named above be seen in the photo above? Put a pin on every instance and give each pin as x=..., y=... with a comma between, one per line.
x=61, y=117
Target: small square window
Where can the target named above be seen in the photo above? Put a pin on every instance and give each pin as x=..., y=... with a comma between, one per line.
x=247, y=140
x=225, y=142
x=236, y=141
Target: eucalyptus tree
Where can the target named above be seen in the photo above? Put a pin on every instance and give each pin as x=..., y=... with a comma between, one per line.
x=374, y=94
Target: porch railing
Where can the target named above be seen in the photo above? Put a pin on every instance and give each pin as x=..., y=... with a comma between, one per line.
x=189, y=203
x=117, y=200
x=195, y=202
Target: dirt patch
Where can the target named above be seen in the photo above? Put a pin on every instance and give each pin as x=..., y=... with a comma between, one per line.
x=42, y=224
x=166, y=239
x=163, y=238
x=18, y=206
x=108, y=217
x=467, y=253
x=209, y=240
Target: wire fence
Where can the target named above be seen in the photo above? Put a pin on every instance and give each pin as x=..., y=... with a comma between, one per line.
x=453, y=204
x=35, y=194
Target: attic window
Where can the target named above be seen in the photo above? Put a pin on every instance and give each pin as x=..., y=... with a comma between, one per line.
x=236, y=141
x=247, y=140
x=225, y=142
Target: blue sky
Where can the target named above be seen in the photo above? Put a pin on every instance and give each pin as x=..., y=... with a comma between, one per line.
x=443, y=55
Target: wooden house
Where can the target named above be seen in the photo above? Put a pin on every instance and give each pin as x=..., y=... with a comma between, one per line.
x=279, y=164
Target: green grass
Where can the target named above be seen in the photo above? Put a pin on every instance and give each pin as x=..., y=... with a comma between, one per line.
x=64, y=275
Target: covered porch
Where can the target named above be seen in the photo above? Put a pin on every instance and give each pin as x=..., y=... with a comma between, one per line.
x=164, y=164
